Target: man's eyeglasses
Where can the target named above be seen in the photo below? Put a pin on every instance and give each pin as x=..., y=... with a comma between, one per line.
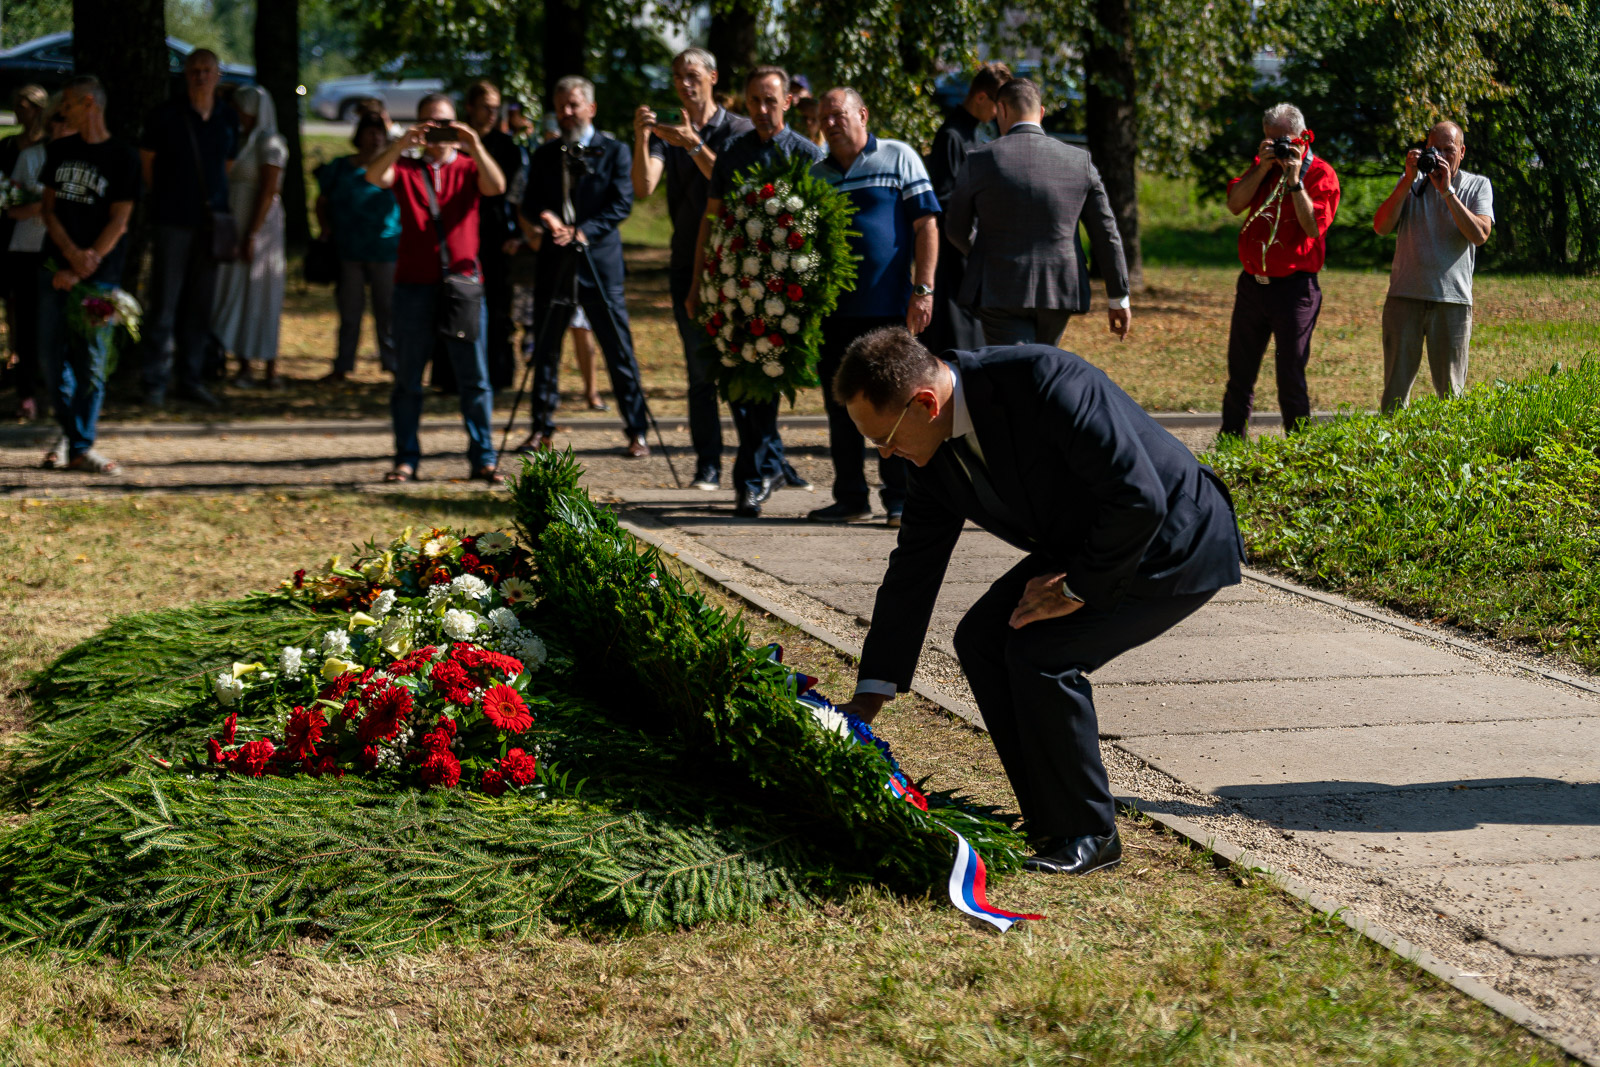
x=875, y=443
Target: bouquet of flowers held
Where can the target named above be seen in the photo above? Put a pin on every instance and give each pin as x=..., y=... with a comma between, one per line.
x=92, y=308
x=429, y=681
x=14, y=195
x=776, y=261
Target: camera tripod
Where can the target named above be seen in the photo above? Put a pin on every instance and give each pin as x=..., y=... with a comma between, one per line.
x=547, y=344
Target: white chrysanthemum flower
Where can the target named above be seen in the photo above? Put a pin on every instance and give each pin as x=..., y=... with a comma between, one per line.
x=747, y=305
x=335, y=643
x=754, y=229
x=773, y=307
x=728, y=267
x=504, y=620
x=727, y=358
x=763, y=346
x=516, y=590
x=709, y=294
x=794, y=203
x=751, y=266
x=790, y=324
x=471, y=585
x=780, y=235
x=749, y=353
x=290, y=660
x=780, y=261
x=229, y=688
x=459, y=625
x=801, y=263
x=772, y=369
x=494, y=543
x=727, y=331
x=383, y=603
x=773, y=206
x=831, y=721
x=722, y=346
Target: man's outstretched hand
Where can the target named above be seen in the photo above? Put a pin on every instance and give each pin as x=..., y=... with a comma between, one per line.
x=1043, y=598
x=864, y=706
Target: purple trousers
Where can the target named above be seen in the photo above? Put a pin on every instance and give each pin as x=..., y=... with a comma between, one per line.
x=1284, y=311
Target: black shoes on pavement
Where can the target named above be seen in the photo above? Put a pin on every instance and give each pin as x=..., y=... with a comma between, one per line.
x=707, y=478
x=749, y=504
x=837, y=512
x=1076, y=855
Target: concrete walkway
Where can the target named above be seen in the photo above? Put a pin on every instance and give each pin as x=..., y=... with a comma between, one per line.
x=1449, y=792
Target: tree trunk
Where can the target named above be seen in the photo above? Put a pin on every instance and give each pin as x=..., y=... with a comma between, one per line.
x=277, y=48
x=124, y=44
x=1112, y=121
x=1559, y=217
x=566, y=44
x=732, y=39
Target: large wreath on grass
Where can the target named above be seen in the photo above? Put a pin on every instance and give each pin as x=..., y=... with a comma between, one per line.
x=776, y=260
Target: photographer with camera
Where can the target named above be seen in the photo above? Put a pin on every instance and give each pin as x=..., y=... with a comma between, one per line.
x=578, y=194
x=438, y=279
x=1442, y=214
x=1291, y=195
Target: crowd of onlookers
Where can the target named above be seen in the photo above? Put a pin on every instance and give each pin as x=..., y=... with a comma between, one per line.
x=469, y=224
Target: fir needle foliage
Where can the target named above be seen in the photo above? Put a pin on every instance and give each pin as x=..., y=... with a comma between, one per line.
x=682, y=783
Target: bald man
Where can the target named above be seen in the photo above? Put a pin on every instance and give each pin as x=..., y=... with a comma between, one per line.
x=1442, y=218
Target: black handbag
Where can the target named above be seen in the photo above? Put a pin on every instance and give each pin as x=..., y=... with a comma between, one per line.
x=222, y=229
x=321, y=265
x=460, y=307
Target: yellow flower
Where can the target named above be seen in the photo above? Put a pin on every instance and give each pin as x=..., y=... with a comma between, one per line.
x=361, y=618
x=242, y=669
x=333, y=667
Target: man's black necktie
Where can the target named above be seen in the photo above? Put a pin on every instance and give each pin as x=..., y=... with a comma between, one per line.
x=978, y=474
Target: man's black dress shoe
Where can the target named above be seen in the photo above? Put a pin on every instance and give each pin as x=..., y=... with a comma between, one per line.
x=840, y=513
x=748, y=504
x=1076, y=855
x=795, y=480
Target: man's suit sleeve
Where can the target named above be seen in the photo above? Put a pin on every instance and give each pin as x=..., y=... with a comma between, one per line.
x=618, y=199
x=1104, y=237
x=1125, y=492
x=944, y=163
x=959, y=217
x=928, y=534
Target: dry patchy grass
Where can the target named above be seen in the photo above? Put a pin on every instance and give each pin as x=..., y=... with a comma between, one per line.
x=1166, y=959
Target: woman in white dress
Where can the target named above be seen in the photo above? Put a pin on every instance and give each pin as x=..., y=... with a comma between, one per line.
x=250, y=289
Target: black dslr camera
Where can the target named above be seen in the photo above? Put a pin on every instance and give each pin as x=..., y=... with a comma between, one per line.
x=576, y=158
x=1428, y=162
x=1282, y=148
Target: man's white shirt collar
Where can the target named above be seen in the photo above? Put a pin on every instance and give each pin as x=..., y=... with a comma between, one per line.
x=960, y=417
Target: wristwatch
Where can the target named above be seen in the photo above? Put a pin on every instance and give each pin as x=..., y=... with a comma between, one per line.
x=1297, y=186
x=697, y=149
x=922, y=290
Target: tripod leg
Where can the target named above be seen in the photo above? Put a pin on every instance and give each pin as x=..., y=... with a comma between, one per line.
x=547, y=335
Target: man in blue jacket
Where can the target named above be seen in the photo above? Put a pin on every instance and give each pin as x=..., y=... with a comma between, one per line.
x=1126, y=534
x=578, y=193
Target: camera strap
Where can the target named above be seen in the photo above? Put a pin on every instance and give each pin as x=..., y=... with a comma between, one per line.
x=438, y=224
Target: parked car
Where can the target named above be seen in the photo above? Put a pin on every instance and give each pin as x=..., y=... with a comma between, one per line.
x=338, y=98
x=47, y=61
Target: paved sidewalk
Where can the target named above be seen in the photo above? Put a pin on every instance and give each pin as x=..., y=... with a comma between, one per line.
x=1452, y=796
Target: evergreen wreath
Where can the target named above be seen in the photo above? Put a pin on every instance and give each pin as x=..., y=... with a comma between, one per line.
x=776, y=260
x=679, y=777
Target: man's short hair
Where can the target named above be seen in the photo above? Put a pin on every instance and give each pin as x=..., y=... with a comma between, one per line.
x=198, y=54
x=87, y=85
x=480, y=89
x=1454, y=127
x=574, y=83
x=696, y=55
x=883, y=367
x=852, y=98
x=767, y=71
x=1285, y=117
x=989, y=79
x=434, y=98
x=1020, y=96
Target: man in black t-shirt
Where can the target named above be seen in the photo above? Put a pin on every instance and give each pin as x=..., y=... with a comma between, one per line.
x=186, y=151
x=498, y=236
x=90, y=183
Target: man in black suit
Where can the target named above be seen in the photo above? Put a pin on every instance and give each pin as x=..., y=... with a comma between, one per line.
x=578, y=193
x=1026, y=195
x=954, y=324
x=1127, y=535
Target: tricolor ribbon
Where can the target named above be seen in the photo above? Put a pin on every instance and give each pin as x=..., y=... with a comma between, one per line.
x=968, y=877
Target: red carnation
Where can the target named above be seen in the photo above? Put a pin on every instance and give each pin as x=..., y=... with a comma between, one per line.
x=369, y=757
x=440, y=575
x=436, y=741
x=718, y=319
x=744, y=283
x=411, y=664
x=774, y=284
x=340, y=686
x=785, y=219
x=711, y=331
x=757, y=327
x=450, y=680
x=737, y=244
x=492, y=783
x=351, y=709
x=750, y=198
x=519, y=767
x=768, y=192
x=763, y=245
x=230, y=727
x=385, y=711
x=447, y=724
x=441, y=768
x=469, y=562
x=503, y=706
x=776, y=339
x=254, y=755
x=796, y=242
x=300, y=578
x=795, y=292
x=303, y=732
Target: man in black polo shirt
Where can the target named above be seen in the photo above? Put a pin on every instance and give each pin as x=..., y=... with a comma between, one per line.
x=188, y=146
x=759, y=464
x=498, y=236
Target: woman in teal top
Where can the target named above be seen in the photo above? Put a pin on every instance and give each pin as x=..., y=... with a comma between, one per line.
x=364, y=222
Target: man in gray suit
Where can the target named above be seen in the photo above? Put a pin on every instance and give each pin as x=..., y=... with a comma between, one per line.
x=1015, y=212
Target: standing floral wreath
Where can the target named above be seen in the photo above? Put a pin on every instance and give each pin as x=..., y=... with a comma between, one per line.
x=778, y=256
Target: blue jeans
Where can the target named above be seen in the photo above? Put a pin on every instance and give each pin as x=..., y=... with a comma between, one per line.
x=74, y=367
x=415, y=307
x=699, y=357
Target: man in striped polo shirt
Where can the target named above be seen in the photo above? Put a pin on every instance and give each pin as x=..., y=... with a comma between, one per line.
x=897, y=217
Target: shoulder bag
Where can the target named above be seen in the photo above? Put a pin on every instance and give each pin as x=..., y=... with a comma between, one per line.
x=460, y=295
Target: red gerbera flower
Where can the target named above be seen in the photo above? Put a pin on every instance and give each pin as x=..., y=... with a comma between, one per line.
x=441, y=768
x=254, y=755
x=492, y=783
x=385, y=710
x=503, y=706
x=230, y=727
x=303, y=732
x=519, y=767
x=796, y=242
x=795, y=292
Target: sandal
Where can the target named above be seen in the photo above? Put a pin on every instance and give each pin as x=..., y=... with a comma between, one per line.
x=93, y=462
x=401, y=473
x=488, y=474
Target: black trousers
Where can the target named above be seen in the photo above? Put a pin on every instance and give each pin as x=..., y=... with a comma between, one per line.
x=1031, y=688
x=497, y=301
x=845, y=443
x=611, y=331
x=1283, y=311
